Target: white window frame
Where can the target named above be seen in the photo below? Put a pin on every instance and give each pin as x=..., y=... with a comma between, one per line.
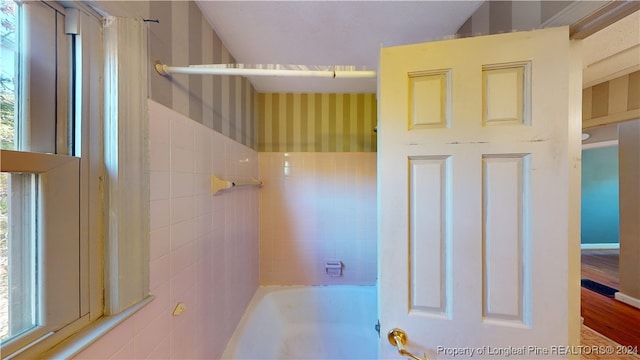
x=43, y=116
x=113, y=185
x=58, y=226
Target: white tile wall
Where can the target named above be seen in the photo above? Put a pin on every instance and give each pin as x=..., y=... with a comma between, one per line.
x=204, y=248
x=316, y=207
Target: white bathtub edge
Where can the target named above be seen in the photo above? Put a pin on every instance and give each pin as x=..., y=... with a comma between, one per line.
x=245, y=340
x=262, y=290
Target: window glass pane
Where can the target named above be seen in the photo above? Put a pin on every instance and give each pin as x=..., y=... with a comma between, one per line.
x=18, y=254
x=8, y=71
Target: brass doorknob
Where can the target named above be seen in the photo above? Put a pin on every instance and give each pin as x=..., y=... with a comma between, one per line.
x=398, y=338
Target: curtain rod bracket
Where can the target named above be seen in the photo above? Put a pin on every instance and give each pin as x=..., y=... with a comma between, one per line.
x=161, y=68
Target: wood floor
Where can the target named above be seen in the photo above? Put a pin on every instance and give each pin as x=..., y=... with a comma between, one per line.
x=609, y=317
x=594, y=340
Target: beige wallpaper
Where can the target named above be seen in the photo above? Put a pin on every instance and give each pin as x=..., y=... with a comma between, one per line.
x=494, y=17
x=612, y=101
x=183, y=37
x=317, y=122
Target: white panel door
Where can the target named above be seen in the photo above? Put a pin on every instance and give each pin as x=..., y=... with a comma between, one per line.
x=479, y=183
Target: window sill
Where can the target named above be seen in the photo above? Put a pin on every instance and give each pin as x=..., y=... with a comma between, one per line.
x=81, y=340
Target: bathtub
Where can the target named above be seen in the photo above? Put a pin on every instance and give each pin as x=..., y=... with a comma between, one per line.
x=307, y=322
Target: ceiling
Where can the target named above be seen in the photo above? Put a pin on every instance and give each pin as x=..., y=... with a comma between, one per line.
x=327, y=33
x=313, y=33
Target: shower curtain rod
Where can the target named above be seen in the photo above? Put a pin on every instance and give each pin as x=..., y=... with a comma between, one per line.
x=216, y=69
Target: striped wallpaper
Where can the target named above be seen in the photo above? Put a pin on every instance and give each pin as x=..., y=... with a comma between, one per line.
x=612, y=101
x=297, y=122
x=316, y=122
x=494, y=17
x=183, y=37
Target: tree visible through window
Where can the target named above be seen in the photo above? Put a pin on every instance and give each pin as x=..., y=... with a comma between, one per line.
x=8, y=54
x=52, y=178
x=54, y=247
x=7, y=84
